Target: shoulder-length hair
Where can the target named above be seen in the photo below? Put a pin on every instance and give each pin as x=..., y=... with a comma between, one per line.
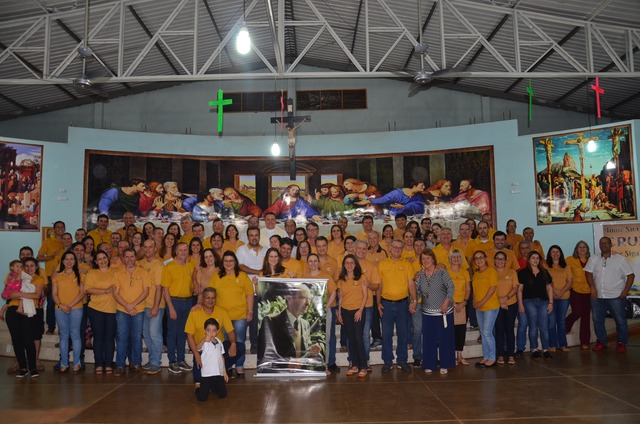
x=561, y=261
x=236, y=268
x=75, y=269
x=266, y=268
x=357, y=272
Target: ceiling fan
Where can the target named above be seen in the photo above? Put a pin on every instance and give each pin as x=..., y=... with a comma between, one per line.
x=423, y=79
x=84, y=81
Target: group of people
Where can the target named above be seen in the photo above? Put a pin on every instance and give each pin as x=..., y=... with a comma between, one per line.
x=414, y=280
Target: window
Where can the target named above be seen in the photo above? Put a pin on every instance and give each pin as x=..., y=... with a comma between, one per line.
x=254, y=101
x=332, y=99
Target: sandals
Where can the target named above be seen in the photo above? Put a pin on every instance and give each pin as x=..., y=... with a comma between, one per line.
x=511, y=360
x=362, y=373
x=77, y=370
x=108, y=370
x=443, y=371
x=352, y=371
x=99, y=371
x=428, y=371
x=63, y=370
x=462, y=361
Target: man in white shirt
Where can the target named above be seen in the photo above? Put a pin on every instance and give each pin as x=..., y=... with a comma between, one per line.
x=250, y=258
x=270, y=229
x=610, y=277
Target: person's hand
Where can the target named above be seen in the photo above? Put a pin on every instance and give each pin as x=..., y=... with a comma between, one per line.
x=521, y=309
x=233, y=350
x=249, y=316
x=314, y=350
x=339, y=318
x=198, y=359
x=358, y=316
x=254, y=279
x=398, y=206
x=380, y=308
x=443, y=309
x=153, y=313
x=195, y=307
x=459, y=307
x=440, y=267
x=594, y=294
x=173, y=314
x=132, y=311
x=226, y=377
x=550, y=308
x=412, y=307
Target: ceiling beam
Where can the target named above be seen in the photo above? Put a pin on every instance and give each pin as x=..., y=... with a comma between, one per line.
x=215, y=26
x=625, y=101
x=355, y=30
x=14, y=103
x=144, y=27
x=424, y=28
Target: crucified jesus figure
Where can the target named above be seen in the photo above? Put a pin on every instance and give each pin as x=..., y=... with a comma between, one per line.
x=292, y=138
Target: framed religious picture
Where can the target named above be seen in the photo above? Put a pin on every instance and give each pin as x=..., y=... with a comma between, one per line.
x=585, y=176
x=47, y=233
x=20, y=186
x=446, y=185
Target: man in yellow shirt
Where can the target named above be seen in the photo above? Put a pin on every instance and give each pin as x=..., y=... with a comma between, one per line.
x=397, y=292
x=154, y=307
x=51, y=249
x=527, y=233
x=401, y=226
x=101, y=234
x=444, y=248
x=197, y=230
x=194, y=329
x=482, y=242
x=500, y=245
x=177, y=290
x=127, y=219
x=327, y=263
x=464, y=238
x=186, y=223
x=293, y=266
x=131, y=289
x=367, y=228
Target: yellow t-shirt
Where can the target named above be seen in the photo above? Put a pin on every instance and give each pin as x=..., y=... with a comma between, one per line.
x=398, y=233
x=330, y=266
x=68, y=288
x=409, y=255
x=395, y=278
x=442, y=256
x=53, y=248
x=376, y=257
x=294, y=266
x=336, y=251
x=186, y=238
x=100, y=238
x=331, y=285
x=512, y=261
x=97, y=279
x=460, y=280
x=461, y=245
x=351, y=293
x=370, y=271
x=475, y=245
x=36, y=281
x=228, y=245
x=196, y=320
x=178, y=279
x=232, y=293
x=507, y=280
x=580, y=284
x=559, y=277
x=482, y=282
x=131, y=286
x=155, y=269
x=513, y=240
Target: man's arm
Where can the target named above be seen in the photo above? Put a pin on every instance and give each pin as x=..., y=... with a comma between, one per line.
x=627, y=286
x=592, y=284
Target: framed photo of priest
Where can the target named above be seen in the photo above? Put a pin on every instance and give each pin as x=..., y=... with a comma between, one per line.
x=585, y=176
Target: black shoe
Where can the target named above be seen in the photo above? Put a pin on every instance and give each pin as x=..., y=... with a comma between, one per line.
x=417, y=363
x=22, y=374
x=546, y=354
x=404, y=367
x=519, y=354
x=35, y=373
x=334, y=369
x=536, y=354
x=387, y=368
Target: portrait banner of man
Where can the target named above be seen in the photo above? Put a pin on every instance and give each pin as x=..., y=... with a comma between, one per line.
x=292, y=327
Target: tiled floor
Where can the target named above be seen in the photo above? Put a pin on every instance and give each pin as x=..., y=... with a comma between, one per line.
x=575, y=387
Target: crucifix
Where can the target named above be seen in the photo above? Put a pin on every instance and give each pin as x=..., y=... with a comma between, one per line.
x=292, y=123
x=219, y=103
x=598, y=91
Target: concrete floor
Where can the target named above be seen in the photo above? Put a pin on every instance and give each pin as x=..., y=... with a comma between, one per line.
x=576, y=387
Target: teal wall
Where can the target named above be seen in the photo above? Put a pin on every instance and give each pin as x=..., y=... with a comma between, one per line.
x=63, y=168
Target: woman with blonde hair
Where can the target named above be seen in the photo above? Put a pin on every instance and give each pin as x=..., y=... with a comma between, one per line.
x=461, y=293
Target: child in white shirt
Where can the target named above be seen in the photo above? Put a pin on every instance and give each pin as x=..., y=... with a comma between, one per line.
x=211, y=363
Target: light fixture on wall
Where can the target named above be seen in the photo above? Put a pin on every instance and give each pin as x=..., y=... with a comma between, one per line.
x=275, y=148
x=243, y=41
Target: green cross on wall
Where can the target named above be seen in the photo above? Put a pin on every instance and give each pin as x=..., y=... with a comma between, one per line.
x=219, y=104
x=530, y=91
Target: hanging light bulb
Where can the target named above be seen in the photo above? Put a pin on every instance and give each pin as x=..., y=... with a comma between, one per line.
x=243, y=41
x=591, y=146
x=275, y=148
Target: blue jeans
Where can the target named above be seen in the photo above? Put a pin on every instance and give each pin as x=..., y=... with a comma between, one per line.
x=331, y=325
x=152, y=332
x=129, y=335
x=416, y=336
x=616, y=307
x=486, y=322
x=368, y=316
x=69, y=326
x=558, y=323
x=103, y=326
x=538, y=317
x=521, y=338
x=176, y=337
x=240, y=328
x=395, y=313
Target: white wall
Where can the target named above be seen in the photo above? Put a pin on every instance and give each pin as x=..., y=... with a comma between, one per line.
x=63, y=168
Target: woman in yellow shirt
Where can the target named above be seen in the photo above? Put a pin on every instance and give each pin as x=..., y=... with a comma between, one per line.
x=336, y=243
x=235, y=294
x=168, y=249
x=68, y=292
x=302, y=253
x=387, y=237
x=352, y=293
x=231, y=241
x=485, y=301
x=195, y=252
x=205, y=272
x=562, y=281
x=507, y=296
x=99, y=284
x=580, y=297
x=512, y=237
x=461, y=292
